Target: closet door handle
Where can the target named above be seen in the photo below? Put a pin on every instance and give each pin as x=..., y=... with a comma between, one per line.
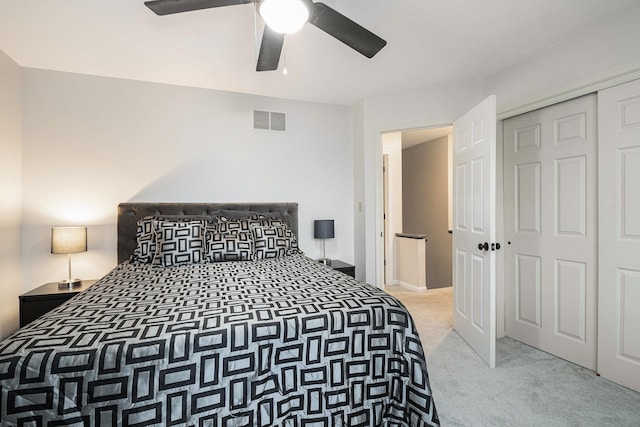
x=483, y=246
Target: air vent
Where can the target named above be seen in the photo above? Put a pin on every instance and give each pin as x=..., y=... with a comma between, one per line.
x=269, y=120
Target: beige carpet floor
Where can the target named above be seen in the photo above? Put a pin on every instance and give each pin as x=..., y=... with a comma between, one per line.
x=431, y=312
x=528, y=387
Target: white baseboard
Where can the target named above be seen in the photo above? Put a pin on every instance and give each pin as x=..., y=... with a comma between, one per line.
x=409, y=286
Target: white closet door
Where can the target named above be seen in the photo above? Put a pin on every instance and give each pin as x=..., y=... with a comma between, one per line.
x=619, y=234
x=550, y=229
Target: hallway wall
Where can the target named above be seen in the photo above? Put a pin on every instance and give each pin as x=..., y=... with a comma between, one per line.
x=424, y=205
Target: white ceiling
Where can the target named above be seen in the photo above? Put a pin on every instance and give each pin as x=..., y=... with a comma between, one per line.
x=429, y=41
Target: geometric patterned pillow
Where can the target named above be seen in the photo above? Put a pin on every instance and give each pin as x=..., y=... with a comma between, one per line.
x=229, y=246
x=179, y=243
x=146, y=241
x=270, y=242
x=292, y=242
x=146, y=236
x=235, y=225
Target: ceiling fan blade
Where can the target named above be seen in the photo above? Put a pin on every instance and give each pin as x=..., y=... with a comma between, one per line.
x=270, y=50
x=167, y=7
x=345, y=30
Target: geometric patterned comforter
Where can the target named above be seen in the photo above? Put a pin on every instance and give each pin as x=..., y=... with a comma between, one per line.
x=258, y=343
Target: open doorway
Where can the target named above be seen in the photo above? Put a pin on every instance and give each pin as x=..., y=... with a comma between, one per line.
x=417, y=204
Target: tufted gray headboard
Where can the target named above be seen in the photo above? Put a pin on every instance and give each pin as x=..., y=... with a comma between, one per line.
x=129, y=213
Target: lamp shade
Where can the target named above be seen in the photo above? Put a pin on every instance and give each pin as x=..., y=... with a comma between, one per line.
x=323, y=229
x=68, y=240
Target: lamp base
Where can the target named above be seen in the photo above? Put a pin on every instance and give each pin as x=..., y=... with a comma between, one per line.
x=325, y=261
x=69, y=283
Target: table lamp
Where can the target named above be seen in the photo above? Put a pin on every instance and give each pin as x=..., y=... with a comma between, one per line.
x=68, y=240
x=323, y=229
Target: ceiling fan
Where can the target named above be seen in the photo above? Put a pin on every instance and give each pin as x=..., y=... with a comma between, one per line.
x=276, y=13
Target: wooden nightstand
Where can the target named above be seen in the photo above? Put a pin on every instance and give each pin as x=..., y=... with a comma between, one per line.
x=342, y=266
x=39, y=301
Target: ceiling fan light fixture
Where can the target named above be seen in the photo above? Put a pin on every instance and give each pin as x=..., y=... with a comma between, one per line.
x=284, y=16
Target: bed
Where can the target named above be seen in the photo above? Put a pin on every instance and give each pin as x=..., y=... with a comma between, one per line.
x=273, y=339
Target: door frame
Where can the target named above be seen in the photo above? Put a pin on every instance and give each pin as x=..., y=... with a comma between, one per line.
x=385, y=218
x=379, y=249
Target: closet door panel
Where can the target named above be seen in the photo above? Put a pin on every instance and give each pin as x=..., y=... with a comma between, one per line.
x=619, y=234
x=550, y=227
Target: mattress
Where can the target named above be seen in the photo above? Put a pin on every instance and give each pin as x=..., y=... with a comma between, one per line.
x=285, y=341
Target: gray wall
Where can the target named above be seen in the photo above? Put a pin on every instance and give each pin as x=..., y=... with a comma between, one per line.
x=424, y=205
x=10, y=193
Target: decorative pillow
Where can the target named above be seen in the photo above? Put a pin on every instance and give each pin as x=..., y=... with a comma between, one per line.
x=146, y=235
x=292, y=242
x=229, y=246
x=179, y=243
x=146, y=241
x=234, y=225
x=270, y=242
x=212, y=228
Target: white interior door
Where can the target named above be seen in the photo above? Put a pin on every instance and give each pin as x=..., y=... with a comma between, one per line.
x=474, y=225
x=619, y=234
x=550, y=229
